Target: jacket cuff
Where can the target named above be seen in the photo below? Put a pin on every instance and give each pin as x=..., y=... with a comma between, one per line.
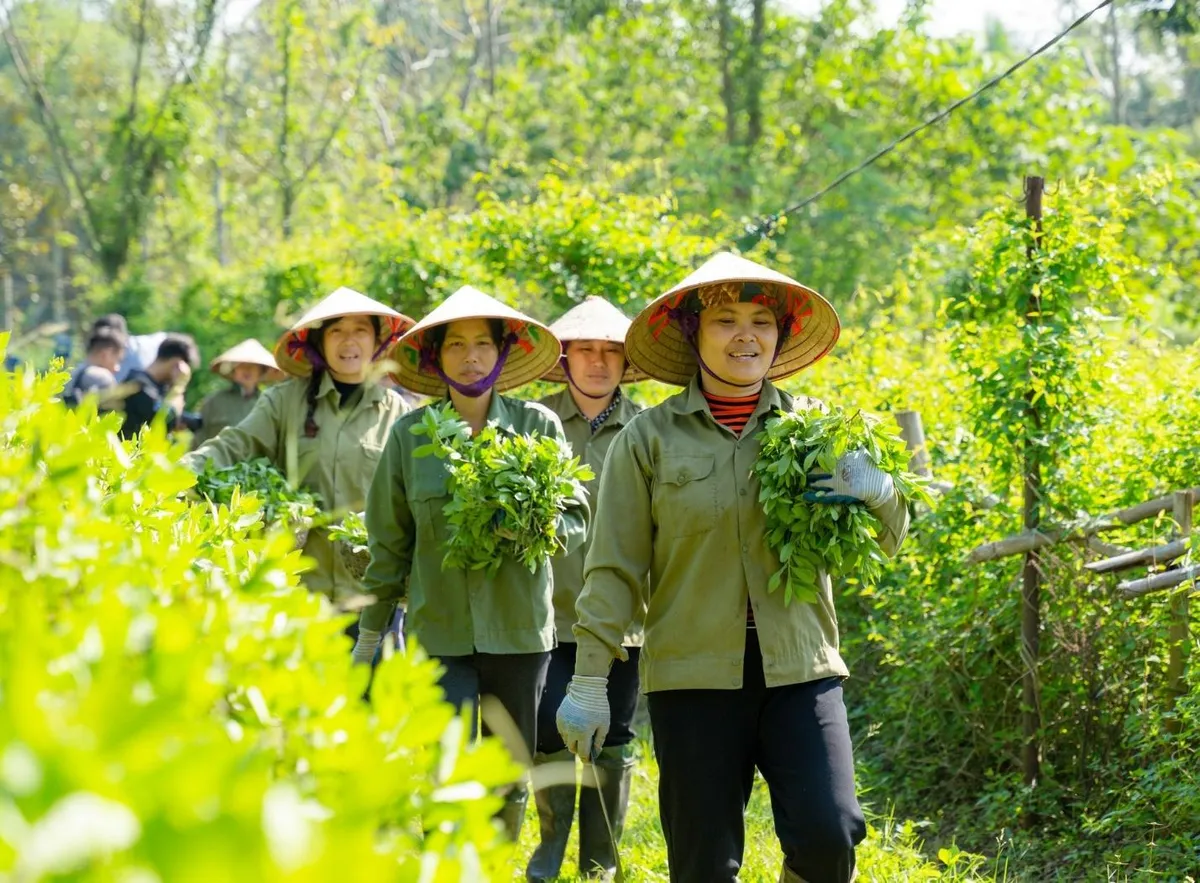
x=592, y=657
x=377, y=616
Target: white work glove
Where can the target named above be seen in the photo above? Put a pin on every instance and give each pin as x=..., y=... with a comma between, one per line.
x=365, y=646
x=855, y=480
x=583, y=717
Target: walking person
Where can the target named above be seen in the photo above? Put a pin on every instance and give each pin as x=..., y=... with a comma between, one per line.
x=325, y=427
x=246, y=366
x=492, y=632
x=735, y=680
x=593, y=409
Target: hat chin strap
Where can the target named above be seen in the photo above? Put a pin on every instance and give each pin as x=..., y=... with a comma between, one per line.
x=562, y=361
x=429, y=364
x=689, y=325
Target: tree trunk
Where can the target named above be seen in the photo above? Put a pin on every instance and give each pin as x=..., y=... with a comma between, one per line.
x=728, y=88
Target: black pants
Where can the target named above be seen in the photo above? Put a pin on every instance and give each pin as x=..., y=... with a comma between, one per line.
x=516, y=679
x=622, y=698
x=708, y=743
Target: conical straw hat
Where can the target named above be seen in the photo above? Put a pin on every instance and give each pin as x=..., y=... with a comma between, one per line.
x=535, y=352
x=594, y=319
x=291, y=353
x=657, y=346
x=248, y=352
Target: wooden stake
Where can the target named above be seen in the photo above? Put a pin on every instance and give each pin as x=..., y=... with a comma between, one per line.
x=1178, y=640
x=913, y=433
x=1031, y=575
x=1140, y=558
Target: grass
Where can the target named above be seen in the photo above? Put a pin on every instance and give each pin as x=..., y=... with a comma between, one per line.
x=892, y=852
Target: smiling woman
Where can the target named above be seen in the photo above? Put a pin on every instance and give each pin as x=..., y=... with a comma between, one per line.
x=326, y=426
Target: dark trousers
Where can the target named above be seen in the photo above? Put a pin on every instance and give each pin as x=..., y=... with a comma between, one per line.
x=708, y=743
x=516, y=680
x=623, y=687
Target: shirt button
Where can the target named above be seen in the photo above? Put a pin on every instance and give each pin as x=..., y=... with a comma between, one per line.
x=742, y=492
x=745, y=549
x=684, y=475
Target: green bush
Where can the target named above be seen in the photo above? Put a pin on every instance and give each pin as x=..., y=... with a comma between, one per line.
x=174, y=707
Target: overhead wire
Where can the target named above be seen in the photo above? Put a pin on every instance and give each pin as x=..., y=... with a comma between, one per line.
x=766, y=225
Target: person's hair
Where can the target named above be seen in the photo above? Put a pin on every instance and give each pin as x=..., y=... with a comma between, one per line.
x=105, y=339
x=111, y=320
x=179, y=346
x=316, y=339
x=437, y=334
x=114, y=323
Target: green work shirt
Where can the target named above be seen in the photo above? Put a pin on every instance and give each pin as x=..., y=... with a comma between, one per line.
x=679, y=501
x=591, y=448
x=225, y=407
x=337, y=464
x=452, y=611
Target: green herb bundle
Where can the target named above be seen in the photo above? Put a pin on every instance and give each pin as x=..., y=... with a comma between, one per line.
x=351, y=530
x=506, y=491
x=813, y=536
x=281, y=503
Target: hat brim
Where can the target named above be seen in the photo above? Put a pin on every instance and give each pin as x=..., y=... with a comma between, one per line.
x=656, y=345
x=536, y=351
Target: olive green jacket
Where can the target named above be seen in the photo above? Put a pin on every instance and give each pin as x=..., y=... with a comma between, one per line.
x=591, y=448
x=679, y=501
x=451, y=611
x=225, y=407
x=337, y=464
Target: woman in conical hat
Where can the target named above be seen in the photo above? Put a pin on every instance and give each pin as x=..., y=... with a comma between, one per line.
x=492, y=632
x=593, y=409
x=735, y=678
x=325, y=427
x=245, y=366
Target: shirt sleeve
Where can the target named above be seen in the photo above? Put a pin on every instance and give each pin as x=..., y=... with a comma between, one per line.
x=255, y=436
x=893, y=518
x=618, y=560
x=574, y=520
x=391, y=536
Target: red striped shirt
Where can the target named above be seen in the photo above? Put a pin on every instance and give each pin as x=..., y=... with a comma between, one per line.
x=733, y=412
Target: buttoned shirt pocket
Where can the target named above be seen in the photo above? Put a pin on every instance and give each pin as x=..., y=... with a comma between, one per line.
x=427, y=497
x=685, y=496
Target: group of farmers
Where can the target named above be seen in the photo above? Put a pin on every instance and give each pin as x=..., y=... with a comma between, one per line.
x=661, y=583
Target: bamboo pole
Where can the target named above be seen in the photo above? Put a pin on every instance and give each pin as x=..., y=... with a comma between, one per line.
x=1178, y=639
x=912, y=430
x=1140, y=558
x=1135, y=588
x=1030, y=540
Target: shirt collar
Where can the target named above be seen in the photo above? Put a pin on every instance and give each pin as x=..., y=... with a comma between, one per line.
x=371, y=392
x=622, y=409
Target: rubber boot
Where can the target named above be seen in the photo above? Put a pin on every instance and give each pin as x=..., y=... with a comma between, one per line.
x=512, y=814
x=614, y=769
x=556, y=813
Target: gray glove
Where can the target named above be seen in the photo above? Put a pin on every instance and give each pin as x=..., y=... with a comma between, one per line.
x=366, y=645
x=583, y=718
x=855, y=480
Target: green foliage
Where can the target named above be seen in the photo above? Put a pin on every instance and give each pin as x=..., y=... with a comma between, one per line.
x=351, y=529
x=280, y=503
x=174, y=706
x=507, y=492
x=809, y=537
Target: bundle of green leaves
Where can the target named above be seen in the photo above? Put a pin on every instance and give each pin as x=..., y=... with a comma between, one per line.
x=506, y=491
x=281, y=503
x=351, y=530
x=808, y=536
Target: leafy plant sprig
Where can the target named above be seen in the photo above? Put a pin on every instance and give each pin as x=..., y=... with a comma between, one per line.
x=351, y=530
x=506, y=491
x=810, y=537
x=281, y=503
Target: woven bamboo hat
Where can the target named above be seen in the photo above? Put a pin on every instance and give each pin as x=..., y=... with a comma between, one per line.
x=248, y=352
x=532, y=348
x=594, y=319
x=293, y=352
x=658, y=345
